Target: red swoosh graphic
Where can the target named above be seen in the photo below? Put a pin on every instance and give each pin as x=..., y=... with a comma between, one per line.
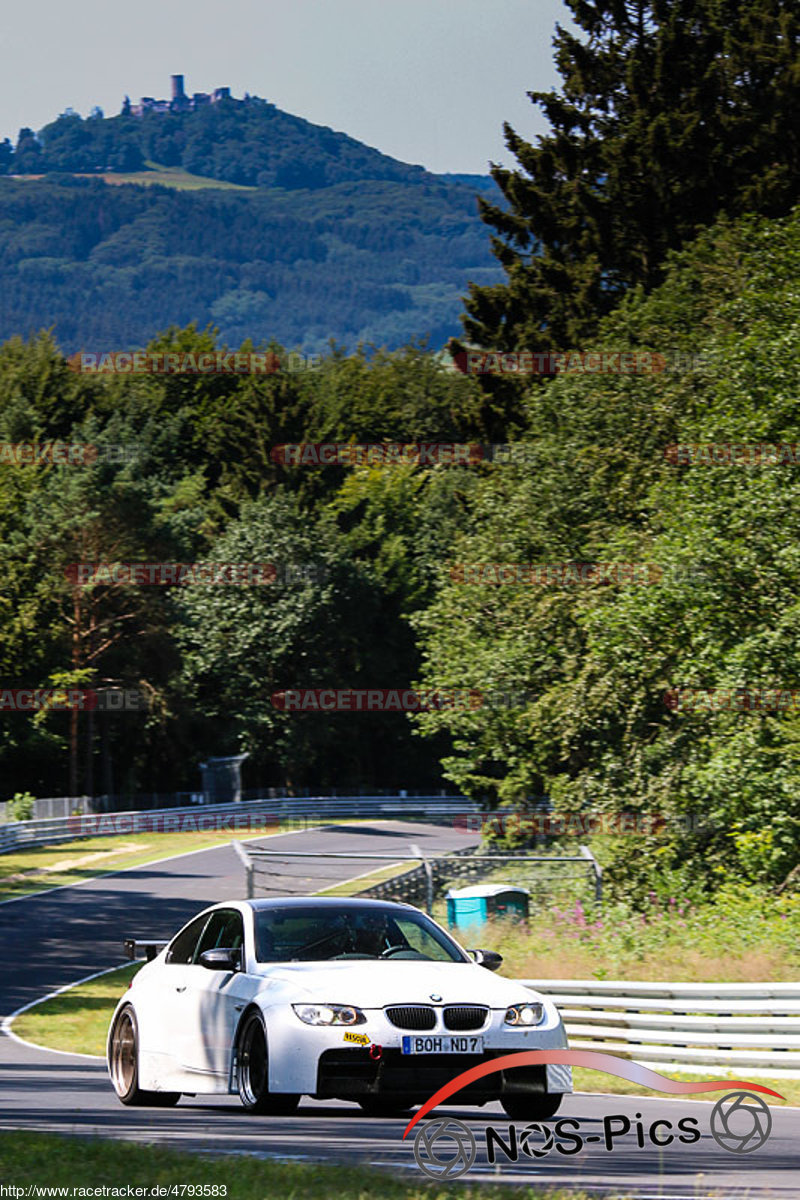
x=595, y=1061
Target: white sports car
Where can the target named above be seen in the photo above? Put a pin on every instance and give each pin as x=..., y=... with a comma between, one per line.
x=361, y=1000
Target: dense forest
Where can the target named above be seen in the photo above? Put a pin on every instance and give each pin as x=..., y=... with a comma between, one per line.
x=382, y=607
x=371, y=589
x=110, y=266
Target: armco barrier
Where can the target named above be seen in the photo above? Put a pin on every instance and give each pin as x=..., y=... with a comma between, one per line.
x=310, y=808
x=44, y=808
x=750, y=1028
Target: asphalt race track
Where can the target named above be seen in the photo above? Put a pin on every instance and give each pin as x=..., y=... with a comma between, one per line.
x=50, y=940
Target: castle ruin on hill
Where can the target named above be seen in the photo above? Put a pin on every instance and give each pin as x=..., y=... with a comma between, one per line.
x=180, y=102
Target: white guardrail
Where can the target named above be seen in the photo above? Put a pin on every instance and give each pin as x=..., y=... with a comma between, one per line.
x=241, y=816
x=749, y=1028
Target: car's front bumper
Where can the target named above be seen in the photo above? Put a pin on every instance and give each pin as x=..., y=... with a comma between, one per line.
x=345, y=1074
x=323, y=1060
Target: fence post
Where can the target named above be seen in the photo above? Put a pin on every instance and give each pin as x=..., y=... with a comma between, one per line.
x=248, y=867
x=428, y=879
x=598, y=872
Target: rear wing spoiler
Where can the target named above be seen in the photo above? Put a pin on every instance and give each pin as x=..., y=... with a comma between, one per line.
x=148, y=950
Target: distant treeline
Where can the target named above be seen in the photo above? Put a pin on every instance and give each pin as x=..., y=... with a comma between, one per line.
x=382, y=262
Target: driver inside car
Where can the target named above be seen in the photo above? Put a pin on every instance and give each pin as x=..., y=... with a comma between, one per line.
x=374, y=936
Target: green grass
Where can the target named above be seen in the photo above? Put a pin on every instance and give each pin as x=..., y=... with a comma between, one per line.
x=585, y=1080
x=49, y=1160
x=174, y=177
x=352, y=887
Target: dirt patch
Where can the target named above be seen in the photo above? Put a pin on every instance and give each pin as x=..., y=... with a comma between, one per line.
x=68, y=864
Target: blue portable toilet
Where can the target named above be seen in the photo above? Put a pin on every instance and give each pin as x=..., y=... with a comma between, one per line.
x=471, y=906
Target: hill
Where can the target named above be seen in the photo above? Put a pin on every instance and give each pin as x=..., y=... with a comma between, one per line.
x=254, y=221
x=249, y=142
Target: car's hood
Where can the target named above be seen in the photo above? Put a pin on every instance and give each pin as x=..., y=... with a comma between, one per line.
x=372, y=984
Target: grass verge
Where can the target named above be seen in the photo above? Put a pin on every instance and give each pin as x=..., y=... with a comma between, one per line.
x=40, y=868
x=48, y=1160
x=352, y=887
x=743, y=934
x=595, y=1081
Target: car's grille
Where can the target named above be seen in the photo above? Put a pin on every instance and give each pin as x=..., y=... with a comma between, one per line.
x=412, y=1016
x=462, y=1016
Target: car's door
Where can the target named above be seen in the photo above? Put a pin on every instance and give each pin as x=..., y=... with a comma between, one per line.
x=171, y=1011
x=213, y=999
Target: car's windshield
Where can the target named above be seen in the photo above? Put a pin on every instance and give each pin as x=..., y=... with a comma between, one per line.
x=321, y=933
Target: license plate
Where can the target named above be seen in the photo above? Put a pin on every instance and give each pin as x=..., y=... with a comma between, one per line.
x=446, y=1044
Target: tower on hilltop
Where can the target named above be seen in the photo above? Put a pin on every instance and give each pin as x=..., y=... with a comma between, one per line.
x=177, y=88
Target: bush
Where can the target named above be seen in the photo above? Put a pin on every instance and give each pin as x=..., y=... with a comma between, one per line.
x=20, y=806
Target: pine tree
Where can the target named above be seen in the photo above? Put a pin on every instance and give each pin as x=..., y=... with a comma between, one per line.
x=671, y=112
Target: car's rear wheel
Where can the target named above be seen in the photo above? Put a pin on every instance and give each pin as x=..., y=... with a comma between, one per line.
x=254, y=1071
x=532, y=1108
x=123, y=1065
x=387, y=1106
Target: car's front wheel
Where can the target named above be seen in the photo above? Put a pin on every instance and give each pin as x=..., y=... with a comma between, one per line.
x=532, y=1108
x=254, y=1071
x=123, y=1065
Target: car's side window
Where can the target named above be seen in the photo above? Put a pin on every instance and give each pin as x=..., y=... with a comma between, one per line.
x=224, y=928
x=183, y=946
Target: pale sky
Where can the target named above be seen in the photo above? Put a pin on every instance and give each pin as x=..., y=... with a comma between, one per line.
x=426, y=81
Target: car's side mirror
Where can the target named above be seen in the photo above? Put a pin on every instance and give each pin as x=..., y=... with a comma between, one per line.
x=487, y=958
x=221, y=959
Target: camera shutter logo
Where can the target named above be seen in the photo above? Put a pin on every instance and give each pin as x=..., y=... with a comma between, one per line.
x=528, y=1140
x=740, y=1127
x=445, y=1149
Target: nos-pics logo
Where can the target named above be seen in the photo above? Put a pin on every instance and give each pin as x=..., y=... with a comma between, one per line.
x=446, y=1149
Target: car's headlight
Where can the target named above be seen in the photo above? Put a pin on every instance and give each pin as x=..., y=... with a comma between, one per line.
x=525, y=1014
x=329, y=1014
